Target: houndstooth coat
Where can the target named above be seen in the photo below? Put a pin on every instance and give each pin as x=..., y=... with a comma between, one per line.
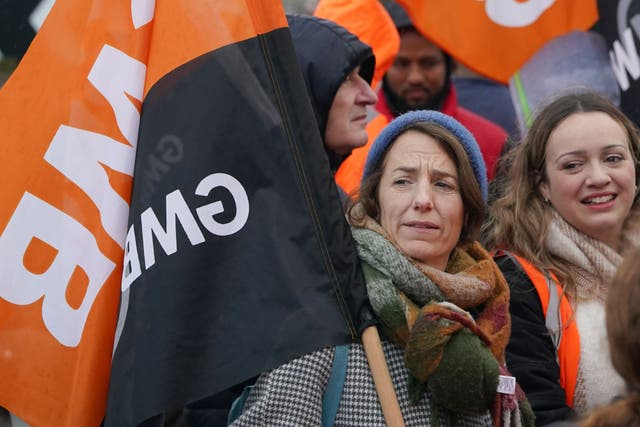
x=291, y=395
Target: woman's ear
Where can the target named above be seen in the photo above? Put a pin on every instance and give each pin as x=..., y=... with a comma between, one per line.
x=542, y=185
x=543, y=189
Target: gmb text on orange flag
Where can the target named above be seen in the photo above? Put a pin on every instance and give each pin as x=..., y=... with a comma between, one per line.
x=69, y=119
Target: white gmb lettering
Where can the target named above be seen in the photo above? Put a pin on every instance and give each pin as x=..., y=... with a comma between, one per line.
x=79, y=155
x=516, y=13
x=76, y=248
x=177, y=211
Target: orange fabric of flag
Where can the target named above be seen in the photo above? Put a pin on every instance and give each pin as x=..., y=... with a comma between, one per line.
x=69, y=119
x=368, y=20
x=496, y=37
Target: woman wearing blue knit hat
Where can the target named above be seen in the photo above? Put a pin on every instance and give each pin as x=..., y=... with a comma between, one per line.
x=441, y=302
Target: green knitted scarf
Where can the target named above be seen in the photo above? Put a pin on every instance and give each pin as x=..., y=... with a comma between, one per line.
x=399, y=287
x=455, y=355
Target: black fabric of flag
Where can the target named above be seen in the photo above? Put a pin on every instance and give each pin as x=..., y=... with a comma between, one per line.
x=288, y=282
x=616, y=18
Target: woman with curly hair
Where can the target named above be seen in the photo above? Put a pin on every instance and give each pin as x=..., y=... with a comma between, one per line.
x=567, y=214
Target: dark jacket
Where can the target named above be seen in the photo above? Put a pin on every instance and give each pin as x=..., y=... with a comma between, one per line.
x=531, y=355
x=327, y=54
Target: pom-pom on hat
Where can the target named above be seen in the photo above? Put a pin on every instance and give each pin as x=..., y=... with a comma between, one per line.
x=402, y=122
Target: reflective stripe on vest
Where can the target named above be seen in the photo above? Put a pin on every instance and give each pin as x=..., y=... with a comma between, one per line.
x=559, y=321
x=552, y=313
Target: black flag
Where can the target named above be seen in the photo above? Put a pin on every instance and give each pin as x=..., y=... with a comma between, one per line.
x=618, y=24
x=238, y=257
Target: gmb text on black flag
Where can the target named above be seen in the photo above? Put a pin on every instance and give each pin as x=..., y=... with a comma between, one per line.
x=238, y=257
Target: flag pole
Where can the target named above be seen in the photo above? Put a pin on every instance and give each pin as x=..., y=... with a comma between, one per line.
x=382, y=377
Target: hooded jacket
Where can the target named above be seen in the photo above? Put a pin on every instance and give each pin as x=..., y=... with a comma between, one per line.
x=327, y=53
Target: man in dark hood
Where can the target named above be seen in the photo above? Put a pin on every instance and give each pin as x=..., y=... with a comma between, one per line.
x=337, y=68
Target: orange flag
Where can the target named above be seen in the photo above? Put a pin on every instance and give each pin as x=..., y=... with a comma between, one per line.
x=69, y=118
x=496, y=37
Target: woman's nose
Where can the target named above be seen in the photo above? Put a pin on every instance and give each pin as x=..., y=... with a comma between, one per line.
x=598, y=175
x=423, y=198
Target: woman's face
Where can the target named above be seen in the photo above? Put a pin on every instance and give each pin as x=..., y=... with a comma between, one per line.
x=421, y=206
x=590, y=175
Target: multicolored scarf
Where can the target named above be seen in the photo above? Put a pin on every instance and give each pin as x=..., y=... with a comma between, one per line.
x=421, y=308
x=471, y=281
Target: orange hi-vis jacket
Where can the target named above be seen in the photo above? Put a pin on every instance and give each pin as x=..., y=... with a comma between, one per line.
x=560, y=322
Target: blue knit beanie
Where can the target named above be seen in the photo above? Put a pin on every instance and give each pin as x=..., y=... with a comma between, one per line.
x=402, y=122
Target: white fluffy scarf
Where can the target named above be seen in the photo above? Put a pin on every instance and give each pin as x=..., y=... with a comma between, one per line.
x=594, y=262
x=594, y=265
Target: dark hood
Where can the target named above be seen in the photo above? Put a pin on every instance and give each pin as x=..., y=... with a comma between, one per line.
x=327, y=53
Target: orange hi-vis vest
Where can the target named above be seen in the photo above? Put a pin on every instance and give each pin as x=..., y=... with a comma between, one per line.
x=560, y=323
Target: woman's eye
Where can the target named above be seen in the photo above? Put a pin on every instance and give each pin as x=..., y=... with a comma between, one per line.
x=444, y=185
x=401, y=181
x=571, y=165
x=614, y=158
